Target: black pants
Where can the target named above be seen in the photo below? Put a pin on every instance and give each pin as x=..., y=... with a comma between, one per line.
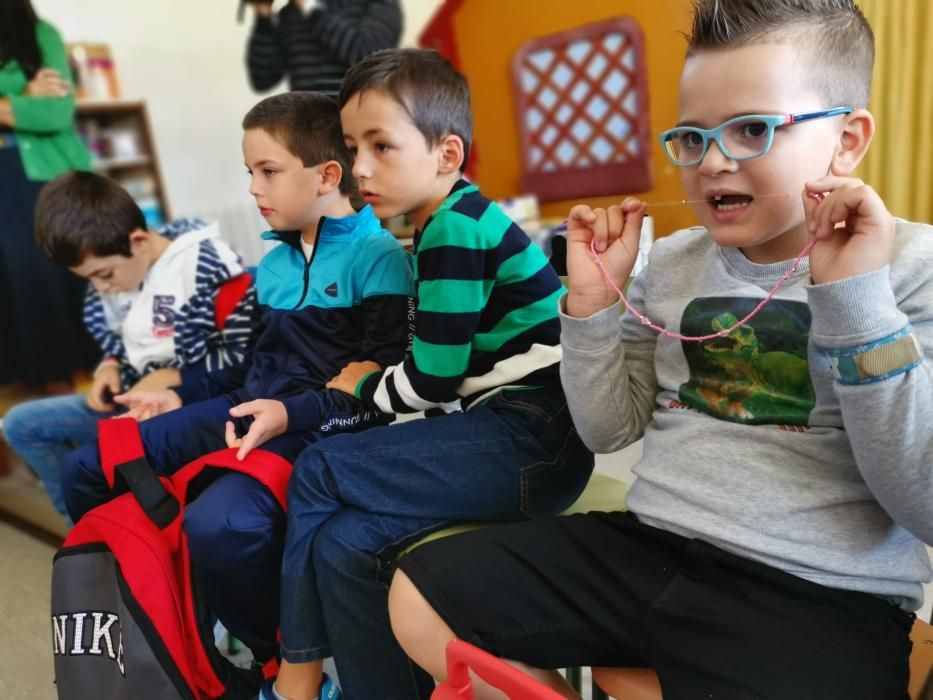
x=602, y=589
x=42, y=334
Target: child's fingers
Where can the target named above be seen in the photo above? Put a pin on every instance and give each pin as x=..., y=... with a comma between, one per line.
x=581, y=215
x=143, y=412
x=811, y=201
x=826, y=199
x=244, y=409
x=250, y=440
x=92, y=402
x=615, y=221
x=579, y=224
x=835, y=209
x=230, y=435
x=600, y=229
x=631, y=230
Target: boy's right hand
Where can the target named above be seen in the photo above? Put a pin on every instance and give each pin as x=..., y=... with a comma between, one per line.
x=270, y=419
x=616, y=232
x=106, y=385
x=147, y=404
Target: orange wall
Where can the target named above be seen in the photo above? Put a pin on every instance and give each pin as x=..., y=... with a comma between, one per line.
x=488, y=34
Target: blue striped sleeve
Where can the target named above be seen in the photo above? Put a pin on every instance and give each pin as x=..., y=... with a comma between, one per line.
x=197, y=338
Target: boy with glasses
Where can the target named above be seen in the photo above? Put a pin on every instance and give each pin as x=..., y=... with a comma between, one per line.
x=773, y=544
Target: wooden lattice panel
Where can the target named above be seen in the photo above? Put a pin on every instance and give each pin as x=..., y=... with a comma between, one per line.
x=582, y=106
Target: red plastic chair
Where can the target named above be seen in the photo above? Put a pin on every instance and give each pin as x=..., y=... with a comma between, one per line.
x=463, y=657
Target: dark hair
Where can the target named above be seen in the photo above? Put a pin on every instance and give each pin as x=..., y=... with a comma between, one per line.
x=833, y=36
x=432, y=93
x=18, y=36
x=308, y=125
x=80, y=214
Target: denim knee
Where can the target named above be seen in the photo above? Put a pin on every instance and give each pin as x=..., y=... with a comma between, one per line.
x=309, y=478
x=16, y=426
x=337, y=559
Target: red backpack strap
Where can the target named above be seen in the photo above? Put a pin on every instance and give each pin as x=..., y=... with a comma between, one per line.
x=119, y=443
x=121, y=452
x=267, y=468
x=230, y=293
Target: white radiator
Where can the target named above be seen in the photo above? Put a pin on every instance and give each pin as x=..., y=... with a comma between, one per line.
x=240, y=226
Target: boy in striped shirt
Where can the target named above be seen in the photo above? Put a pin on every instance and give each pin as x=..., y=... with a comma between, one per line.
x=166, y=306
x=498, y=444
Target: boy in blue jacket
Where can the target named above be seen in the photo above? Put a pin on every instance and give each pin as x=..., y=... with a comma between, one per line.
x=335, y=290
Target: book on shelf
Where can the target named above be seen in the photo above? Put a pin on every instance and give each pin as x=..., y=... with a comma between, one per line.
x=95, y=72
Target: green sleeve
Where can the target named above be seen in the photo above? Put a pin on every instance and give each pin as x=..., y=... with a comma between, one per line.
x=46, y=114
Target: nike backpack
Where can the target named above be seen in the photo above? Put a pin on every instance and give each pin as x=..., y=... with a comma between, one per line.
x=127, y=619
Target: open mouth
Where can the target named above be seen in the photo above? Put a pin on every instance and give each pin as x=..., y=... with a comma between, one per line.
x=730, y=202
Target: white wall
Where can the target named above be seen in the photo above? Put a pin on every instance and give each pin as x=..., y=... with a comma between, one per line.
x=186, y=59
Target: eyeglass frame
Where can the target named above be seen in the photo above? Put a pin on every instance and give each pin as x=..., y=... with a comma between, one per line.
x=772, y=121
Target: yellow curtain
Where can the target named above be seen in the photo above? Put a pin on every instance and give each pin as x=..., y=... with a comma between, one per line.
x=899, y=164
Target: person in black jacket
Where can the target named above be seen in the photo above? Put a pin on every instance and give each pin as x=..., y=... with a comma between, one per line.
x=314, y=42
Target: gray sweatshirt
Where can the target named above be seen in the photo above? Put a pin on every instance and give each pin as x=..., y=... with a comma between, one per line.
x=751, y=443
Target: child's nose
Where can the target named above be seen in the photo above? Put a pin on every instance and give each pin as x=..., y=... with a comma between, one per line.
x=360, y=168
x=714, y=160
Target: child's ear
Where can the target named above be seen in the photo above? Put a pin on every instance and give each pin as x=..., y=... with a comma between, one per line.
x=330, y=173
x=450, y=154
x=138, y=240
x=858, y=128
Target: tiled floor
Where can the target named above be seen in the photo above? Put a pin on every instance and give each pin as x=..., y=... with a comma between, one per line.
x=25, y=627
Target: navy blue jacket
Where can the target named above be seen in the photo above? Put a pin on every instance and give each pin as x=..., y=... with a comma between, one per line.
x=351, y=301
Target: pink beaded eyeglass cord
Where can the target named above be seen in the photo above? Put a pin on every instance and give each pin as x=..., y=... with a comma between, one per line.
x=645, y=321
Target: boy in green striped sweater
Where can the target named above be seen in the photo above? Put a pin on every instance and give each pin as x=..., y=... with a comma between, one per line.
x=499, y=443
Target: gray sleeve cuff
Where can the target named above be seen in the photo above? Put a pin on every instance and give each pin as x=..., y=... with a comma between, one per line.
x=854, y=310
x=601, y=330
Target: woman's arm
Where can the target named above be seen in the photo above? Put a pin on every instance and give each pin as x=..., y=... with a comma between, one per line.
x=7, y=117
x=42, y=108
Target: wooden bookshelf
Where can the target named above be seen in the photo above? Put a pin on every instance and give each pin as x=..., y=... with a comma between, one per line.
x=119, y=135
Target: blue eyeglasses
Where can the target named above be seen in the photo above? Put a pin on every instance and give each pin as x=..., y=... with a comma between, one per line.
x=741, y=138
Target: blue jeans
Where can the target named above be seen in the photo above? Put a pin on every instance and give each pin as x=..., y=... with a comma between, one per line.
x=356, y=501
x=45, y=431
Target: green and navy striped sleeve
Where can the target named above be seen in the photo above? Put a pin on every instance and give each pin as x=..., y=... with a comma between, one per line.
x=486, y=313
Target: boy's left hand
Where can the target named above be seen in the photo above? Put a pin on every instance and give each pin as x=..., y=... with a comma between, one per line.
x=862, y=244
x=351, y=375
x=270, y=419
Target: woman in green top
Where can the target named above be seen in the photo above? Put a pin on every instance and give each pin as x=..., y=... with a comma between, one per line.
x=42, y=338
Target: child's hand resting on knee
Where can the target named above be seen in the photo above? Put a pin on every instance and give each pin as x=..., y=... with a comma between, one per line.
x=351, y=375
x=270, y=419
x=147, y=404
x=106, y=384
